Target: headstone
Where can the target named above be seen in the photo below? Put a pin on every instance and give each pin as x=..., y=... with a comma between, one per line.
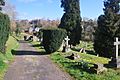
x=73, y=56
x=97, y=55
x=41, y=39
x=29, y=38
x=82, y=50
x=35, y=38
x=116, y=44
x=62, y=45
x=66, y=47
x=25, y=38
x=115, y=61
x=76, y=56
x=66, y=41
x=98, y=68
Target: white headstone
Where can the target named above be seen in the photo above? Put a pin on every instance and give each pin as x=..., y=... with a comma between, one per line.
x=35, y=38
x=66, y=47
x=66, y=41
x=116, y=44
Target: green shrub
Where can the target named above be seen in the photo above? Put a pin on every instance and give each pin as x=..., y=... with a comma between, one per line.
x=52, y=39
x=4, y=31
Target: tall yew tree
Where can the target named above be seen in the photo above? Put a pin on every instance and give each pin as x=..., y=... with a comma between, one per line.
x=71, y=20
x=4, y=29
x=2, y=3
x=108, y=29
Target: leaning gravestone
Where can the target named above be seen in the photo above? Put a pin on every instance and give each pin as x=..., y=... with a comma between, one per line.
x=73, y=56
x=115, y=62
x=98, y=68
x=62, y=46
x=82, y=50
x=66, y=47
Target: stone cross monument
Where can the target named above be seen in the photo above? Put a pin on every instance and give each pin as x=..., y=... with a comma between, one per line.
x=66, y=47
x=115, y=61
x=116, y=44
x=66, y=41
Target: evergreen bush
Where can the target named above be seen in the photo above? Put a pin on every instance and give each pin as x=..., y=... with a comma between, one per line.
x=4, y=31
x=52, y=39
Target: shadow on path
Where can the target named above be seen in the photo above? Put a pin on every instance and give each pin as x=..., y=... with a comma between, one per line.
x=21, y=52
x=26, y=49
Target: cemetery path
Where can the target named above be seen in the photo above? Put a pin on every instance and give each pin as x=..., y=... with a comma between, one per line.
x=28, y=66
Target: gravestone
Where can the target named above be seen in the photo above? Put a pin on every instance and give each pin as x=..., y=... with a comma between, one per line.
x=82, y=50
x=29, y=38
x=66, y=47
x=98, y=68
x=66, y=41
x=25, y=38
x=73, y=56
x=115, y=61
x=35, y=38
x=62, y=45
x=41, y=40
x=116, y=44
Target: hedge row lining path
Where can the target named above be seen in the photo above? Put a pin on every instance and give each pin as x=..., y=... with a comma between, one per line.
x=30, y=66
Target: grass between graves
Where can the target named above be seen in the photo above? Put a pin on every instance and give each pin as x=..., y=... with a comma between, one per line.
x=76, y=70
x=82, y=72
x=5, y=59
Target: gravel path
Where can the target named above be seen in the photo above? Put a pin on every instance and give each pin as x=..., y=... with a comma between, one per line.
x=33, y=67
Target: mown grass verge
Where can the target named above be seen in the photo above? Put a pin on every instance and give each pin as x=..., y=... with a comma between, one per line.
x=6, y=58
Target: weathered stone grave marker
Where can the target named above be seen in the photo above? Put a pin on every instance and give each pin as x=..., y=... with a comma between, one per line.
x=82, y=50
x=35, y=38
x=98, y=68
x=73, y=56
x=67, y=39
x=66, y=47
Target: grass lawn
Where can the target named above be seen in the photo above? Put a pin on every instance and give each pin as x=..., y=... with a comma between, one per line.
x=8, y=57
x=81, y=72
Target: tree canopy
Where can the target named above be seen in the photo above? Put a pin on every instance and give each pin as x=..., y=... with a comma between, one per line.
x=108, y=29
x=71, y=20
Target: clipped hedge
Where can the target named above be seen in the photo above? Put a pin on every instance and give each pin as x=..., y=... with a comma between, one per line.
x=4, y=31
x=52, y=39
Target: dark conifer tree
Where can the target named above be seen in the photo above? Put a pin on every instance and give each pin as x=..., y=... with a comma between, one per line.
x=71, y=20
x=108, y=29
x=4, y=28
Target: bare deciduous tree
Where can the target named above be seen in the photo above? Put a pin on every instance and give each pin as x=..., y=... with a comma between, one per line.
x=10, y=10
